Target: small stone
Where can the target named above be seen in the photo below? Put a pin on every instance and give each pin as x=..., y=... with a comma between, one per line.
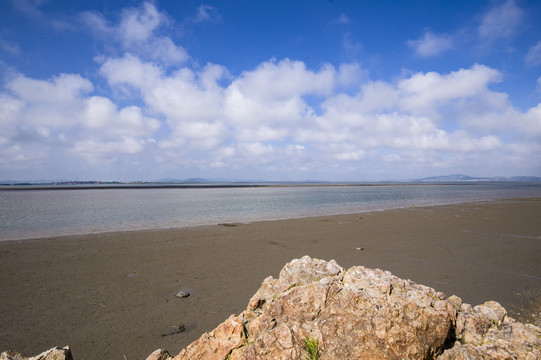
x=182, y=294
x=177, y=330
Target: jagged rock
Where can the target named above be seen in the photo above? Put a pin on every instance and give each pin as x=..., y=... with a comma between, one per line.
x=362, y=314
x=159, y=354
x=486, y=332
x=56, y=353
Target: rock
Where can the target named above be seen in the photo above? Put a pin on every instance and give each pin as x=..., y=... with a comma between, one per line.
x=182, y=294
x=159, y=354
x=56, y=353
x=361, y=314
x=486, y=332
x=218, y=343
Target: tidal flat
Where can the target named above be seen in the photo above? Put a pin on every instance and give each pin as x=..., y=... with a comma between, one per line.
x=112, y=295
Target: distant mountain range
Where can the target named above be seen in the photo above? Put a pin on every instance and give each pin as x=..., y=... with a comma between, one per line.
x=444, y=178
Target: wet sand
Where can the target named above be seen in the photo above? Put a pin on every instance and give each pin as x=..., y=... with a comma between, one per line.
x=112, y=295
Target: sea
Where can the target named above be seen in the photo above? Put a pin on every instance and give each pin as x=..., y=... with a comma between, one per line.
x=51, y=211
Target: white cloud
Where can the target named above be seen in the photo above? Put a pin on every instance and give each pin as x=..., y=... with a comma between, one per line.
x=48, y=103
x=351, y=74
x=533, y=57
x=29, y=7
x=501, y=21
x=431, y=44
x=130, y=70
x=100, y=114
x=9, y=47
x=279, y=118
x=206, y=13
x=267, y=103
x=351, y=46
x=262, y=119
x=422, y=93
x=97, y=150
x=532, y=123
x=137, y=32
x=96, y=22
x=64, y=88
x=285, y=79
x=350, y=156
x=190, y=101
x=138, y=24
x=342, y=19
x=60, y=116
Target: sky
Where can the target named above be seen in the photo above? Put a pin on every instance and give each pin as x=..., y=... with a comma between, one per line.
x=275, y=90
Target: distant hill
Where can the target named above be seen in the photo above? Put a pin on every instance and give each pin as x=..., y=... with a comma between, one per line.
x=196, y=181
x=434, y=179
x=462, y=177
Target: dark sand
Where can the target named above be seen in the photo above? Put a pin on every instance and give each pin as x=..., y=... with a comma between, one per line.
x=111, y=296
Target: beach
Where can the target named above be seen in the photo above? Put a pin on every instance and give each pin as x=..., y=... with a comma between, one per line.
x=112, y=295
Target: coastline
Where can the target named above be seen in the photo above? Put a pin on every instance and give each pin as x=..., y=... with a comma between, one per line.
x=110, y=295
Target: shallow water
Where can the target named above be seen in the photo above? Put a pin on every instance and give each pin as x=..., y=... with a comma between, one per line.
x=41, y=213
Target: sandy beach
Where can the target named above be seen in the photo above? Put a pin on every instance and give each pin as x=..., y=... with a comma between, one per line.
x=112, y=295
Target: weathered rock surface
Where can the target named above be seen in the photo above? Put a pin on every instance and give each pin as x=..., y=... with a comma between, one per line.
x=361, y=314
x=56, y=353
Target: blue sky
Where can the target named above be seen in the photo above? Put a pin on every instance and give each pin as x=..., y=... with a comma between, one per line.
x=275, y=90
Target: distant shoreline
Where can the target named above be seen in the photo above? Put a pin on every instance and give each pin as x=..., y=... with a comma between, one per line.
x=120, y=186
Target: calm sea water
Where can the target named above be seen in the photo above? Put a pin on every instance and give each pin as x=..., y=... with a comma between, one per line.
x=40, y=213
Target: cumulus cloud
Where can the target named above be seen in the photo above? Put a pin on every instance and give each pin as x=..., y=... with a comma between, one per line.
x=59, y=115
x=279, y=117
x=259, y=115
x=422, y=93
x=431, y=44
x=138, y=24
x=137, y=31
x=261, y=119
x=285, y=79
x=501, y=21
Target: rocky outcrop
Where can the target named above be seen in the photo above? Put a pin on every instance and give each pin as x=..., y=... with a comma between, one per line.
x=361, y=314
x=56, y=353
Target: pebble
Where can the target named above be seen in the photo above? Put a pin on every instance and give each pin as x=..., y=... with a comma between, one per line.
x=182, y=294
